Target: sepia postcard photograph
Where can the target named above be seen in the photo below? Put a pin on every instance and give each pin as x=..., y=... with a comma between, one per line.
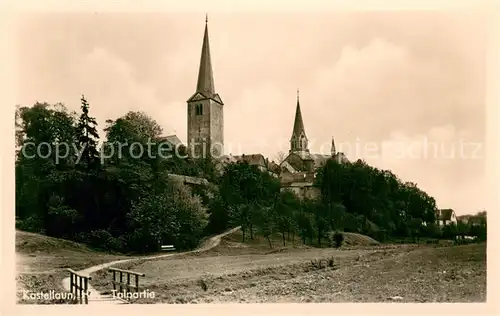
x=215, y=156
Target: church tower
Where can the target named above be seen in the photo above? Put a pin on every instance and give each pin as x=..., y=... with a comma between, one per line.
x=298, y=141
x=333, y=149
x=205, y=111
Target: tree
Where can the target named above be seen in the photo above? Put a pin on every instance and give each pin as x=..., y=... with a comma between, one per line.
x=244, y=191
x=354, y=194
x=338, y=238
x=304, y=219
x=266, y=225
x=280, y=157
x=41, y=132
x=173, y=217
x=87, y=135
x=285, y=206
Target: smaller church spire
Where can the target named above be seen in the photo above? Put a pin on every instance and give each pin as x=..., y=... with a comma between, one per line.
x=298, y=140
x=333, y=150
x=206, y=18
x=298, y=126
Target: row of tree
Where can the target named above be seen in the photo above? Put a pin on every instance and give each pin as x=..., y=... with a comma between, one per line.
x=354, y=197
x=128, y=202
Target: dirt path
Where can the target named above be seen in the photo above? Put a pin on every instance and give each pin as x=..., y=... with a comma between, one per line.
x=95, y=297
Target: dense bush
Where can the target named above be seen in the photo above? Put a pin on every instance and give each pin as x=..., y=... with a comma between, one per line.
x=338, y=238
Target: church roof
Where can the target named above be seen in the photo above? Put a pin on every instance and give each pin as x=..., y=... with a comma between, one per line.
x=319, y=159
x=205, y=74
x=205, y=88
x=298, y=124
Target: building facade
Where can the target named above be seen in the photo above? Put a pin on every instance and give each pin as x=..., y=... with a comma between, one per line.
x=205, y=110
x=446, y=217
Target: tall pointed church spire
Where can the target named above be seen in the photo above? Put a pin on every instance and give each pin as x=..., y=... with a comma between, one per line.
x=298, y=142
x=333, y=150
x=298, y=125
x=205, y=74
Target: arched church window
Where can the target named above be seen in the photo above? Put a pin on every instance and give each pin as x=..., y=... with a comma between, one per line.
x=302, y=141
x=198, y=109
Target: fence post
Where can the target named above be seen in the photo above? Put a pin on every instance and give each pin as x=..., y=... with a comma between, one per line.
x=86, y=290
x=121, y=281
x=78, y=285
x=128, y=282
x=128, y=285
x=80, y=288
x=114, y=280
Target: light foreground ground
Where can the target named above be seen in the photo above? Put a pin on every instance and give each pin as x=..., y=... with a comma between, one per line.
x=253, y=273
x=41, y=264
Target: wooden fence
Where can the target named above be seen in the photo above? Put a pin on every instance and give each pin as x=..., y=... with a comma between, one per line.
x=78, y=285
x=121, y=283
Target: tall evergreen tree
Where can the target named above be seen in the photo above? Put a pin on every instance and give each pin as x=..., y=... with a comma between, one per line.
x=87, y=135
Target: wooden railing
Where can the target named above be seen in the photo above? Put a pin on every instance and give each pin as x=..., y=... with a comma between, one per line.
x=120, y=282
x=78, y=286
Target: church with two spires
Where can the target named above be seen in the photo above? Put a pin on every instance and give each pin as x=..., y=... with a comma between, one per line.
x=205, y=132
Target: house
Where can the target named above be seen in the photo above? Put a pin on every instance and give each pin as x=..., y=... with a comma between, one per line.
x=223, y=161
x=273, y=168
x=300, y=183
x=445, y=217
x=173, y=144
x=194, y=182
x=254, y=159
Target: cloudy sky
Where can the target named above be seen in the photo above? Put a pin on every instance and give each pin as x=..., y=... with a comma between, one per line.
x=404, y=91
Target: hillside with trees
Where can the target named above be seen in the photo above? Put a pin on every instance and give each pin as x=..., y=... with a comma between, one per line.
x=128, y=203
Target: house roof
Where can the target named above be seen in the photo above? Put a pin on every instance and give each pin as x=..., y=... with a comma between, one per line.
x=285, y=165
x=298, y=177
x=319, y=159
x=172, y=139
x=274, y=167
x=188, y=179
x=254, y=159
x=228, y=158
x=445, y=214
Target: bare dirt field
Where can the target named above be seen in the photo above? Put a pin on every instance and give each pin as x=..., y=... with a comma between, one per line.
x=252, y=272
x=41, y=264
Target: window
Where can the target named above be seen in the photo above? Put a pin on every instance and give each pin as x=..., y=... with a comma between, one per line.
x=198, y=109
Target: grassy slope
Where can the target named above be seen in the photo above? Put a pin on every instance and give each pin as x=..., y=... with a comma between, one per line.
x=41, y=263
x=251, y=272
